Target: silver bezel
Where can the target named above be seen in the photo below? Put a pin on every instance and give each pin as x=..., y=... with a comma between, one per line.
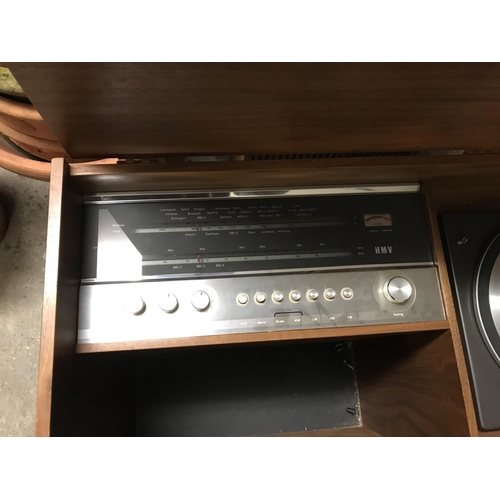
x=144, y=197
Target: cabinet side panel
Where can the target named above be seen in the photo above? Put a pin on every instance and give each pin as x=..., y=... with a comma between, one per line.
x=60, y=303
x=409, y=385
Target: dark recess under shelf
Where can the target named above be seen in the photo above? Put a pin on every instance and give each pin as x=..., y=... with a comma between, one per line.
x=243, y=392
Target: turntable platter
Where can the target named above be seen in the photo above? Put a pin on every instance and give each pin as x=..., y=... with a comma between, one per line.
x=487, y=297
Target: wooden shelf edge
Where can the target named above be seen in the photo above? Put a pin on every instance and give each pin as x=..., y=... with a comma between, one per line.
x=436, y=166
x=241, y=338
x=358, y=431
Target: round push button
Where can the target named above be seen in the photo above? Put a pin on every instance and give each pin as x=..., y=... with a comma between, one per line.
x=134, y=304
x=168, y=303
x=242, y=299
x=330, y=294
x=278, y=297
x=312, y=294
x=260, y=297
x=295, y=295
x=347, y=294
x=200, y=300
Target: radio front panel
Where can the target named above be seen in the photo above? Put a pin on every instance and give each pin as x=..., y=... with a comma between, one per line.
x=165, y=266
x=189, y=308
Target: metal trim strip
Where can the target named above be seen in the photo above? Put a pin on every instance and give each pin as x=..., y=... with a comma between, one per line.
x=142, y=197
x=94, y=281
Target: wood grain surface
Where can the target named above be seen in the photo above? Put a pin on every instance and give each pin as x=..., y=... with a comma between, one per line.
x=43, y=148
x=467, y=193
x=60, y=303
x=448, y=173
x=409, y=385
x=110, y=109
x=242, y=338
x=24, y=118
x=343, y=432
x=39, y=170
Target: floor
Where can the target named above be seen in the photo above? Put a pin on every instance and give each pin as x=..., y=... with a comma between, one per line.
x=22, y=262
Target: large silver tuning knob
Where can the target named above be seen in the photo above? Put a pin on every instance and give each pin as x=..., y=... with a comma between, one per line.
x=398, y=290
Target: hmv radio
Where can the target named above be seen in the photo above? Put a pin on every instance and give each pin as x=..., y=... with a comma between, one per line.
x=163, y=265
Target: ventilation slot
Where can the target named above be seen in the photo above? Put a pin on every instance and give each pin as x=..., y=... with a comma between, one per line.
x=315, y=156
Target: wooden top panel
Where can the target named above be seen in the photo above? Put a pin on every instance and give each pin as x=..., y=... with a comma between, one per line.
x=135, y=109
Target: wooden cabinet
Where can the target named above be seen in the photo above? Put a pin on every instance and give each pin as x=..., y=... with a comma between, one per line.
x=283, y=125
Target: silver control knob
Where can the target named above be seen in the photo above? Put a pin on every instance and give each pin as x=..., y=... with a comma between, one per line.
x=242, y=299
x=260, y=297
x=397, y=290
x=168, y=303
x=330, y=293
x=312, y=294
x=134, y=304
x=295, y=295
x=200, y=300
x=347, y=294
x=278, y=297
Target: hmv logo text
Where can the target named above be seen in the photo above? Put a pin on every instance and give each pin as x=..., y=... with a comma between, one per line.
x=383, y=250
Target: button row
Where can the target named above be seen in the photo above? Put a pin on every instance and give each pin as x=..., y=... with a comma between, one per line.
x=295, y=296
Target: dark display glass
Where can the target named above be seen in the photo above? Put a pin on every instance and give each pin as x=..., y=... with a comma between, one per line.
x=130, y=241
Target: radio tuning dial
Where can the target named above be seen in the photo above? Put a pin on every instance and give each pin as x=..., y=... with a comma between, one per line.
x=398, y=290
x=134, y=304
x=168, y=303
x=200, y=300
